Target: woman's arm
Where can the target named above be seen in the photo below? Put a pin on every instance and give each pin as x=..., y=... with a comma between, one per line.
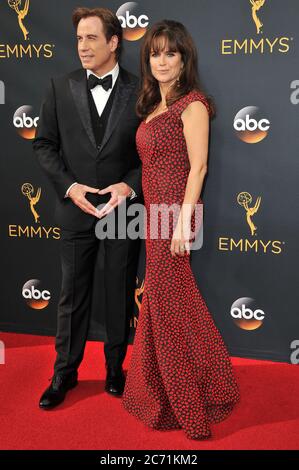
x=196, y=131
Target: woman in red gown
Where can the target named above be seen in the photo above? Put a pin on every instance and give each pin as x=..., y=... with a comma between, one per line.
x=180, y=375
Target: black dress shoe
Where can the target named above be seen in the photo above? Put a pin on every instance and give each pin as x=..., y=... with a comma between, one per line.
x=56, y=392
x=115, y=381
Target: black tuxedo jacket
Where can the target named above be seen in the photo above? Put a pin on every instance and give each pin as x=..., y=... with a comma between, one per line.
x=66, y=147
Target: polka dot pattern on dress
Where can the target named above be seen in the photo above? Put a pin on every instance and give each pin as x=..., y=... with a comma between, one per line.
x=180, y=375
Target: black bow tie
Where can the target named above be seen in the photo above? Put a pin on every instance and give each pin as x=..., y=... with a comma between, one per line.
x=105, y=82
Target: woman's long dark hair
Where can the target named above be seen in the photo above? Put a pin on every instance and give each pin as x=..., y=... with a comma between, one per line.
x=176, y=37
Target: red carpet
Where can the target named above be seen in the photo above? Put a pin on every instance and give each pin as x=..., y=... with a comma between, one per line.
x=266, y=418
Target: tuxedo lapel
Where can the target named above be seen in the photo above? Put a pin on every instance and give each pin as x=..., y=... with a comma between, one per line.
x=79, y=91
x=124, y=88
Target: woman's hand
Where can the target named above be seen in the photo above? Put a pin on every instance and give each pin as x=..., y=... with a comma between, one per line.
x=180, y=244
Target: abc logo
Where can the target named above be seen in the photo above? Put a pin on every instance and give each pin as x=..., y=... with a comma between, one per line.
x=24, y=122
x=133, y=21
x=35, y=296
x=250, y=126
x=245, y=314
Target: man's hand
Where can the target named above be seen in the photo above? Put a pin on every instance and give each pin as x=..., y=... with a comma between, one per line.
x=77, y=194
x=119, y=192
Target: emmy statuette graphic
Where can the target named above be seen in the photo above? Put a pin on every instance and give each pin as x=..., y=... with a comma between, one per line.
x=28, y=190
x=244, y=199
x=22, y=13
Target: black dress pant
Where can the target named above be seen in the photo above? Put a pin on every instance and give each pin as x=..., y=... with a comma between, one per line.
x=79, y=252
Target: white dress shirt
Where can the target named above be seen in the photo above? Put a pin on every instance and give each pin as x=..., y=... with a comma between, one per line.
x=101, y=97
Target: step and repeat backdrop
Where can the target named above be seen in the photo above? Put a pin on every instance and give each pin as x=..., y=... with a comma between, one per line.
x=247, y=268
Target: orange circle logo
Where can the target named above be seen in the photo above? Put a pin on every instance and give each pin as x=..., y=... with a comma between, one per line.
x=25, y=122
x=35, y=296
x=245, y=315
x=133, y=21
x=250, y=125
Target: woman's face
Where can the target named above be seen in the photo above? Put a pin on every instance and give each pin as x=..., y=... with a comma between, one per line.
x=165, y=65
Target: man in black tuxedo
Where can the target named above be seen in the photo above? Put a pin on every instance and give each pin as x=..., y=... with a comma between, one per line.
x=86, y=145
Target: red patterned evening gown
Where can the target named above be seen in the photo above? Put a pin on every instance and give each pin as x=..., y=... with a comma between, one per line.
x=180, y=375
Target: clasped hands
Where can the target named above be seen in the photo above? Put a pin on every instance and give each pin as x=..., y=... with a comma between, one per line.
x=119, y=192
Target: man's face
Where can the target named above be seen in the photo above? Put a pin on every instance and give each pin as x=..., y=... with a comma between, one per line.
x=95, y=52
